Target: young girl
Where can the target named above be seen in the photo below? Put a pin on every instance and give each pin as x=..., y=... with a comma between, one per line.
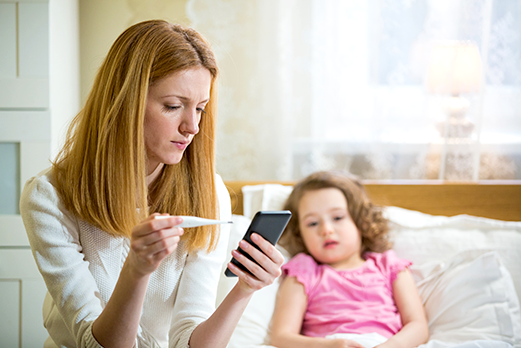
x=344, y=287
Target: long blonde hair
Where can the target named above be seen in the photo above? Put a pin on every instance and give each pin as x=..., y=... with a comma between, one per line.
x=101, y=169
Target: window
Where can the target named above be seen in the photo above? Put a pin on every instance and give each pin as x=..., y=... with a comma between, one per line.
x=309, y=85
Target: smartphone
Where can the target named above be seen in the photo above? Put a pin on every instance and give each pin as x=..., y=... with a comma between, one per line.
x=268, y=224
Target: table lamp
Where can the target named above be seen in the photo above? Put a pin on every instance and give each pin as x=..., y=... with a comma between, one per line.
x=455, y=69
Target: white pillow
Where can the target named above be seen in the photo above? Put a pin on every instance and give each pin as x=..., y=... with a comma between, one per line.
x=468, y=344
x=264, y=197
x=469, y=296
x=422, y=238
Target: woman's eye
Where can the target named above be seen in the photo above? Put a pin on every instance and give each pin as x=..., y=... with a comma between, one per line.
x=201, y=111
x=171, y=107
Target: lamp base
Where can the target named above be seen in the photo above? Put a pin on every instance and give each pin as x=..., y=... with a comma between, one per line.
x=458, y=127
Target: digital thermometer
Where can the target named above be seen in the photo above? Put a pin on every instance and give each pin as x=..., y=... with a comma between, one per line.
x=194, y=221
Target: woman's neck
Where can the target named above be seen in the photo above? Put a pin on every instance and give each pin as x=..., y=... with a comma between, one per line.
x=153, y=176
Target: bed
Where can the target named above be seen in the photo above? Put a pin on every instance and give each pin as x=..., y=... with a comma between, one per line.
x=465, y=243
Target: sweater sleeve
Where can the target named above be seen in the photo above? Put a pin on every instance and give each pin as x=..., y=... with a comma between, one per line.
x=195, y=300
x=53, y=236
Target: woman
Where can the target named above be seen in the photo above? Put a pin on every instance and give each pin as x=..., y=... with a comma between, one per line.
x=116, y=276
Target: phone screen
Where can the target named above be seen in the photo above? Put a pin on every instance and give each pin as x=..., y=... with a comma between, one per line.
x=268, y=224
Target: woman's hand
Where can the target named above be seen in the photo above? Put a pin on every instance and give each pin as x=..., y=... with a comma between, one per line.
x=217, y=330
x=270, y=262
x=152, y=240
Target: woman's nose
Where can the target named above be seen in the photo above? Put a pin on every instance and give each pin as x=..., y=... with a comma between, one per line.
x=190, y=123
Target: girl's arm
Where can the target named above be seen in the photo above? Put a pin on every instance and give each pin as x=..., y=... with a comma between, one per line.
x=288, y=316
x=415, y=330
x=218, y=328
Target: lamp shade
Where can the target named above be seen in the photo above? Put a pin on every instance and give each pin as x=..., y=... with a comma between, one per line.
x=454, y=68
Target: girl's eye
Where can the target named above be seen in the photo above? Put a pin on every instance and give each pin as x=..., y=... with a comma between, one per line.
x=340, y=217
x=312, y=224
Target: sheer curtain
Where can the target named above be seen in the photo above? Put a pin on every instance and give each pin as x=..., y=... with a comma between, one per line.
x=308, y=85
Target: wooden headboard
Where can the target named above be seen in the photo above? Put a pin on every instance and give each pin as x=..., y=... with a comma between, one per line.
x=496, y=199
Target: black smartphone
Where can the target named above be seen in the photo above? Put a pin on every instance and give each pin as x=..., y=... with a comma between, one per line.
x=268, y=224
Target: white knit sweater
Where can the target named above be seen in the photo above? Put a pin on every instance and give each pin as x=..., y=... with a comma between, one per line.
x=81, y=265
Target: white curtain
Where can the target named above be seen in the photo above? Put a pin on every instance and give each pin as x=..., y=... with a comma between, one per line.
x=309, y=85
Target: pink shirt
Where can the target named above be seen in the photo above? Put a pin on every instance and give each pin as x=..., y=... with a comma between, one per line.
x=356, y=300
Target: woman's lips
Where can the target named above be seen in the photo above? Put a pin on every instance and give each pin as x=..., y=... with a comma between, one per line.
x=181, y=145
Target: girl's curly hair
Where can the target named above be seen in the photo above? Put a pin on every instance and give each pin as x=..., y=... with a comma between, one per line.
x=368, y=217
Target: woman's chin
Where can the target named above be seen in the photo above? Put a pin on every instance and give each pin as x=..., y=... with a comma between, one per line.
x=168, y=160
x=173, y=160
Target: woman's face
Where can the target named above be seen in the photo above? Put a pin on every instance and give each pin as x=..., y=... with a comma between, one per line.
x=174, y=108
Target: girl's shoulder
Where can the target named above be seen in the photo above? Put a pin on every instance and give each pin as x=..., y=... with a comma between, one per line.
x=387, y=262
x=300, y=263
x=386, y=256
x=305, y=269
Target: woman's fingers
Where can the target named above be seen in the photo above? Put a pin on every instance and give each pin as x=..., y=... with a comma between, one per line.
x=269, y=262
x=252, y=282
x=154, y=239
x=159, y=241
x=151, y=230
x=268, y=249
x=257, y=271
x=151, y=224
x=158, y=238
x=270, y=259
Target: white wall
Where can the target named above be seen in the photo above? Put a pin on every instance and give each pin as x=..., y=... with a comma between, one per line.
x=39, y=80
x=64, y=67
x=102, y=21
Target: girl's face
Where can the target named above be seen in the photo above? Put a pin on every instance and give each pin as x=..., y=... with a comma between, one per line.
x=328, y=231
x=175, y=105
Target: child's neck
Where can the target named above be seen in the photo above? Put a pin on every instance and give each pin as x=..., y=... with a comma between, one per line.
x=352, y=262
